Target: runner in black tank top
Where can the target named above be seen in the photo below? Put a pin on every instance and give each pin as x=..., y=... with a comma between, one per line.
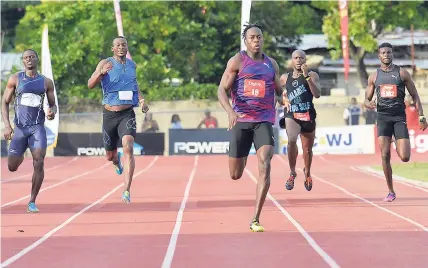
x=389, y=83
x=299, y=117
x=29, y=89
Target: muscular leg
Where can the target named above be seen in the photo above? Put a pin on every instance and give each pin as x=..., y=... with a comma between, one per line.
x=236, y=167
x=129, y=160
x=112, y=156
x=307, y=144
x=403, y=149
x=14, y=161
x=38, y=173
x=239, y=148
x=264, y=157
x=385, y=149
x=401, y=134
x=17, y=147
x=293, y=130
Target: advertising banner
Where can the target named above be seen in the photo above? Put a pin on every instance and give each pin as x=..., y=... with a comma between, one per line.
x=91, y=144
x=203, y=141
x=337, y=140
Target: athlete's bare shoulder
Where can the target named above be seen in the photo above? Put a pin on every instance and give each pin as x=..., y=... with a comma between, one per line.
x=234, y=62
x=404, y=74
x=372, y=78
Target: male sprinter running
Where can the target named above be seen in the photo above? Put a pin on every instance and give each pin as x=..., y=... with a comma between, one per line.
x=253, y=79
x=299, y=118
x=121, y=93
x=29, y=89
x=389, y=82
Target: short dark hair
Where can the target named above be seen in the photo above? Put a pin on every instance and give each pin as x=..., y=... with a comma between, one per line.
x=385, y=45
x=119, y=37
x=249, y=26
x=29, y=49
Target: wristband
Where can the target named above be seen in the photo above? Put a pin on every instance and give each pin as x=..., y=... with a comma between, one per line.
x=308, y=77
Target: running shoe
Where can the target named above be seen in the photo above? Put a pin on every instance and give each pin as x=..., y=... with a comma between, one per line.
x=118, y=167
x=256, y=227
x=289, y=185
x=32, y=208
x=390, y=197
x=308, y=181
x=126, y=197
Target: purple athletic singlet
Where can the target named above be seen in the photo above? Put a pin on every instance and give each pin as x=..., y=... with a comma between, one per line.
x=253, y=91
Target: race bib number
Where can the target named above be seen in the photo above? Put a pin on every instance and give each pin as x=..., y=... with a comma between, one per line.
x=388, y=91
x=125, y=95
x=254, y=88
x=302, y=116
x=31, y=100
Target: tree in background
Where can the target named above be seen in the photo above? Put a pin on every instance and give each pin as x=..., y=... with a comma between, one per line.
x=191, y=41
x=367, y=20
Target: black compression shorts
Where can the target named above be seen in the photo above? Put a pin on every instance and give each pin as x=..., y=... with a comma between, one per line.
x=388, y=126
x=116, y=125
x=244, y=134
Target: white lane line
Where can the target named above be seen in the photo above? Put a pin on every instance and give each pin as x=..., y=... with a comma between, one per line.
x=174, y=236
x=48, y=169
x=56, y=184
x=329, y=260
x=367, y=201
x=66, y=222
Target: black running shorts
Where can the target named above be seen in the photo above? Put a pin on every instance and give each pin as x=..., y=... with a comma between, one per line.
x=116, y=125
x=388, y=126
x=244, y=134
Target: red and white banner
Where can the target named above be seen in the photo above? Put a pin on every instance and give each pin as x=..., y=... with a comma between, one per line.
x=119, y=22
x=343, y=11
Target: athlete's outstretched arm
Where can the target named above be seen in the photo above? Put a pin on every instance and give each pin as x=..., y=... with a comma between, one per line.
x=226, y=83
x=7, y=98
x=314, y=84
x=370, y=92
x=50, y=95
x=410, y=85
x=102, y=68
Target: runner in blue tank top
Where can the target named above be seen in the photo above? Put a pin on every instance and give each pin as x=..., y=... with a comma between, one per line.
x=29, y=89
x=252, y=78
x=121, y=94
x=389, y=83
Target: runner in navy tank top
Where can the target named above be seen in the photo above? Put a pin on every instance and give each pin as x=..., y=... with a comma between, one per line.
x=121, y=94
x=389, y=83
x=253, y=80
x=29, y=89
x=299, y=118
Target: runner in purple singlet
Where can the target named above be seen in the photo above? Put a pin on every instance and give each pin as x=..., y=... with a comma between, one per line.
x=29, y=89
x=253, y=80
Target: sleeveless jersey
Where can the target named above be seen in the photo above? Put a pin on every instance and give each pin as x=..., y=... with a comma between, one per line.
x=29, y=98
x=119, y=85
x=301, y=99
x=390, y=93
x=253, y=91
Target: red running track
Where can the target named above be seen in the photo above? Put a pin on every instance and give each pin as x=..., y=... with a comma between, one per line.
x=186, y=212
